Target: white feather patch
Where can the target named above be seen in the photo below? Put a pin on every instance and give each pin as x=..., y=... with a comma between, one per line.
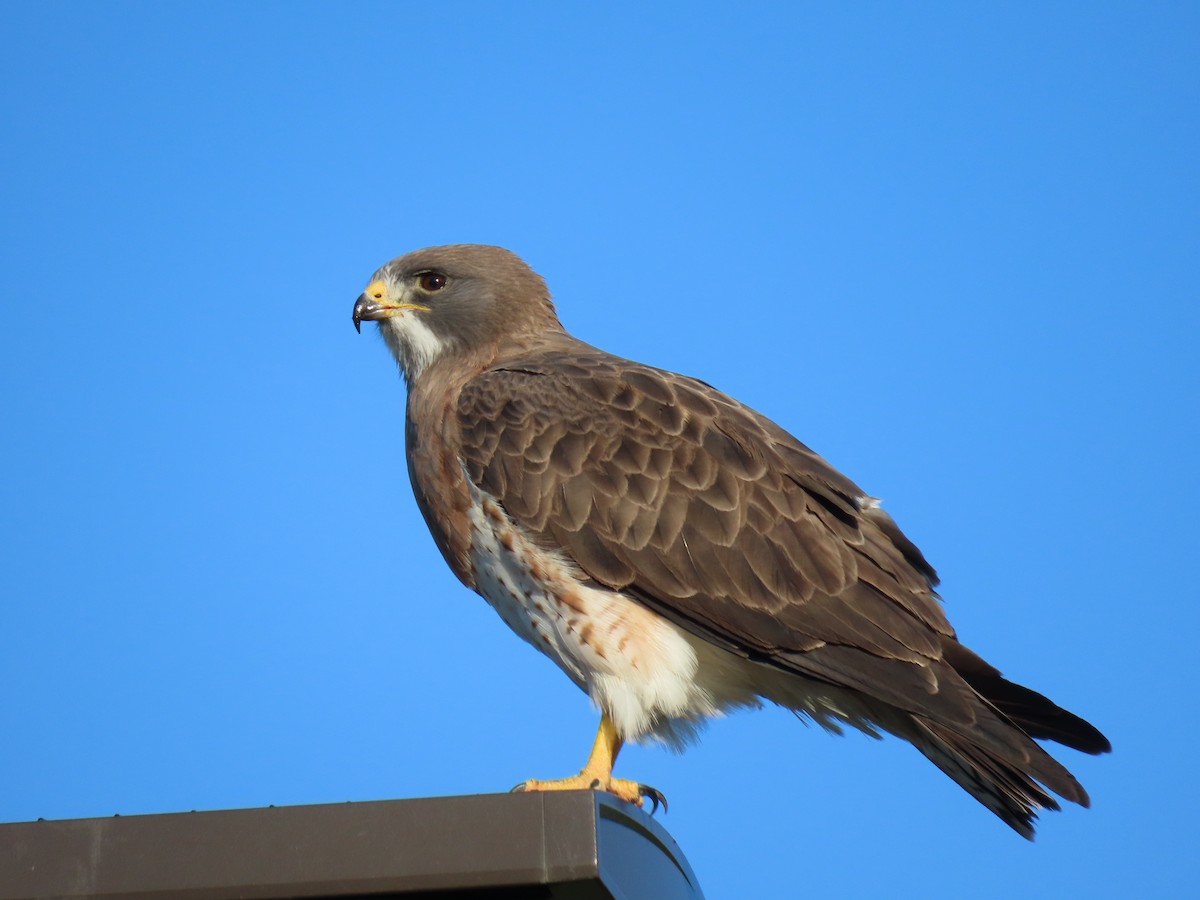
x=635, y=665
x=412, y=342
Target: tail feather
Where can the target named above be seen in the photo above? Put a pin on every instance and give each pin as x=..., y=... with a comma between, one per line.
x=999, y=785
x=996, y=759
x=958, y=711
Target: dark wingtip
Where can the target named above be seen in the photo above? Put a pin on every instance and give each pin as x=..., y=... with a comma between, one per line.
x=1036, y=714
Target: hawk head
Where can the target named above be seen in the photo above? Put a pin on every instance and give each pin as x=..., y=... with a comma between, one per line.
x=454, y=300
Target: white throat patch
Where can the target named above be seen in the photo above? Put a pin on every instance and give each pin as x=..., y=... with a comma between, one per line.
x=412, y=342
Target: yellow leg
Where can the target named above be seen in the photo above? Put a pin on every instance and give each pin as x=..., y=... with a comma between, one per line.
x=596, y=774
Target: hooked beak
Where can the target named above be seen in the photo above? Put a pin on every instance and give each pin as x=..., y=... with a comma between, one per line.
x=367, y=307
x=373, y=303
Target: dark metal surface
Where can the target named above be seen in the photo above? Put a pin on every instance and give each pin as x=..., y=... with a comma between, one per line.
x=575, y=845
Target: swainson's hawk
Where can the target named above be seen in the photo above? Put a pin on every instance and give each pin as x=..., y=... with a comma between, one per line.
x=676, y=553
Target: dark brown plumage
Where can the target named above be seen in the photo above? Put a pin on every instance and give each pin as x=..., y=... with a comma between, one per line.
x=656, y=488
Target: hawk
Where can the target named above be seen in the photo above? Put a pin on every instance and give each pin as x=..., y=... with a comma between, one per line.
x=676, y=553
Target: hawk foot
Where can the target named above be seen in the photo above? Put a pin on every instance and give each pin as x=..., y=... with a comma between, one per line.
x=629, y=791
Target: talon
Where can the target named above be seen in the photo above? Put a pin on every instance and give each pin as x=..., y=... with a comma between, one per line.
x=519, y=788
x=656, y=797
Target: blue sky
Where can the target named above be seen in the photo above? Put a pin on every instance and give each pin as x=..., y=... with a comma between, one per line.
x=953, y=247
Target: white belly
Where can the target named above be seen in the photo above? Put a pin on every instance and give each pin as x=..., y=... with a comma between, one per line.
x=650, y=677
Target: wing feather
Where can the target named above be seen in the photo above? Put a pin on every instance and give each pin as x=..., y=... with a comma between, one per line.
x=707, y=511
x=713, y=516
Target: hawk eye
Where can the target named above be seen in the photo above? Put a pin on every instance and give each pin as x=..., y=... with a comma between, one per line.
x=431, y=281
